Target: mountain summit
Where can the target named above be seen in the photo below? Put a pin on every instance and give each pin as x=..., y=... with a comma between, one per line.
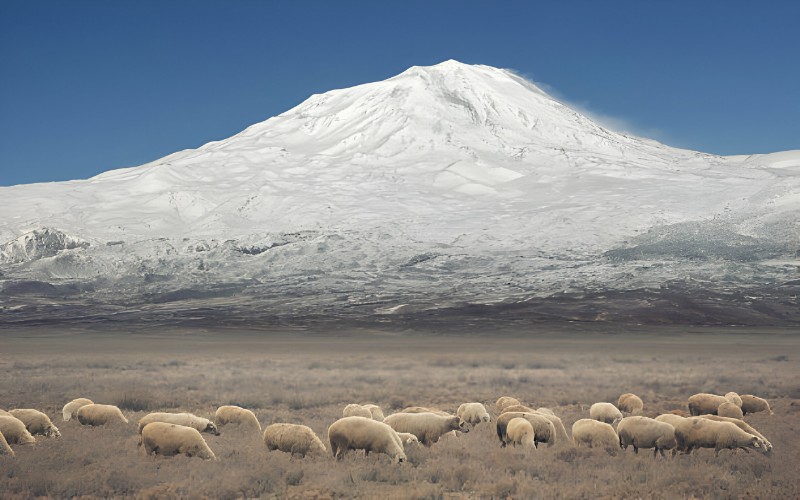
x=442, y=186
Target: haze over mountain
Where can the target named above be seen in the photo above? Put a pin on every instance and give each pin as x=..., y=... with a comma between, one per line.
x=446, y=191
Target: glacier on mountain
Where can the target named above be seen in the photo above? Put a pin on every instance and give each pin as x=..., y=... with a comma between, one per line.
x=445, y=188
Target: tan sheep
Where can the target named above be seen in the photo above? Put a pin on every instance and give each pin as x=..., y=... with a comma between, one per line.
x=423, y=409
x=546, y=411
x=294, y=439
x=428, y=427
x=743, y=426
x=734, y=398
x=361, y=433
x=70, y=408
x=408, y=438
x=375, y=410
x=96, y=414
x=698, y=432
x=728, y=409
x=543, y=428
x=473, y=413
x=505, y=401
x=186, y=419
x=707, y=404
x=605, y=412
x=14, y=431
x=754, y=404
x=630, y=403
x=236, y=415
x=561, y=436
x=4, y=413
x=517, y=408
x=670, y=418
x=36, y=422
x=643, y=432
x=5, y=449
x=519, y=431
x=356, y=410
x=595, y=434
x=162, y=438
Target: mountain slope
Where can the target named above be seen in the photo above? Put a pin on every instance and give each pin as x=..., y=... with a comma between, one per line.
x=442, y=186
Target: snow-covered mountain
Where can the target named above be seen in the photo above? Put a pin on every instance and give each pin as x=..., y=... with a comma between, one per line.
x=445, y=187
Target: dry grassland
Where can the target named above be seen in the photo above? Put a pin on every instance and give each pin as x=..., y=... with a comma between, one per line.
x=307, y=378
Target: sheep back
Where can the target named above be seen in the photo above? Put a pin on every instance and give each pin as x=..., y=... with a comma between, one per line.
x=294, y=439
x=14, y=431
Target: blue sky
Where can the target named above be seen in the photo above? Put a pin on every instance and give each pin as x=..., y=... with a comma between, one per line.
x=87, y=86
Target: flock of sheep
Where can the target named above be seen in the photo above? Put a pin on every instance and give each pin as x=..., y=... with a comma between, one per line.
x=713, y=421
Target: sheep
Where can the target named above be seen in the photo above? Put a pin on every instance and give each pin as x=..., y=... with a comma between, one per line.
x=14, y=431
x=704, y=403
x=70, y=408
x=517, y=408
x=473, y=413
x=754, y=404
x=96, y=414
x=5, y=449
x=355, y=410
x=543, y=428
x=728, y=409
x=361, y=433
x=375, y=410
x=698, y=432
x=236, y=415
x=734, y=398
x=505, y=401
x=422, y=409
x=519, y=431
x=670, y=418
x=187, y=419
x=561, y=436
x=644, y=432
x=605, y=412
x=162, y=438
x=4, y=413
x=428, y=427
x=293, y=438
x=630, y=403
x=36, y=422
x=595, y=434
x=742, y=425
x=408, y=438
x=545, y=411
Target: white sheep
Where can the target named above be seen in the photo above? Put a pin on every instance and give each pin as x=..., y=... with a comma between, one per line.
x=543, y=428
x=36, y=422
x=734, y=398
x=754, y=404
x=473, y=413
x=505, y=401
x=707, y=404
x=186, y=419
x=72, y=407
x=643, y=432
x=428, y=427
x=162, y=438
x=356, y=410
x=595, y=434
x=361, y=433
x=14, y=431
x=698, y=432
x=519, y=431
x=229, y=414
x=743, y=426
x=294, y=439
x=375, y=411
x=97, y=414
x=605, y=412
x=728, y=409
x=408, y=438
x=630, y=403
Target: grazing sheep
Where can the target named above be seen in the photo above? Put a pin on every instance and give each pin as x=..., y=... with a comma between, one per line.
x=605, y=412
x=422, y=409
x=355, y=410
x=242, y=417
x=630, y=403
x=561, y=436
x=72, y=407
x=14, y=431
x=428, y=427
x=375, y=410
x=543, y=428
x=505, y=401
x=519, y=431
x=473, y=413
x=517, y=408
x=95, y=414
x=734, y=398
x=698, y=432
x=754, y=404
x=707, y=404
x=595, y=434
x=743, y=426
x=36, y=422
x=544, y=410
x=186, y=419
x=643, y=432
x=162, y=438
x=293, y=438
x=408, y=438
x=728, y=409
x=361, y=433
x=5, y=449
